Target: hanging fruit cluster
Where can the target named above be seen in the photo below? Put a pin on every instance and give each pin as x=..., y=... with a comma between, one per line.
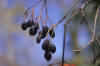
x=34, y=28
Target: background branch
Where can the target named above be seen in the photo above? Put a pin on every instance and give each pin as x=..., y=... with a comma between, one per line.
x=64, y=42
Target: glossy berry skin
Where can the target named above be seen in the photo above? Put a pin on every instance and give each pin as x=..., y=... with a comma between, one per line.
x=24, y=26
x=52, y=34
x=46, y=45
x=48, y=56
x=32, y=31
x=36, y=25
x=43, y=35
x=45, y=29
x=38, y=39
x=52, y=48
x=51, y=30
x=30, y=23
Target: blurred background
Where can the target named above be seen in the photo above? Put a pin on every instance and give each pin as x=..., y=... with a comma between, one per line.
x=18, y=48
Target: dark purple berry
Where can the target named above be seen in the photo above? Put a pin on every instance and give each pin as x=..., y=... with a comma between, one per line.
x=36, y=25
x=45, y=29
x=52, y=34
x=52, y=48
x=30, y=23
x=24, y=26
x=48, y=56
x=46, y=45
x=43, y=35
x=38, y=39
x=32, y=31
x=51, y=30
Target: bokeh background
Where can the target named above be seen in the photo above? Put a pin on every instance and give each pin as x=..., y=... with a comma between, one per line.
x=18, y=48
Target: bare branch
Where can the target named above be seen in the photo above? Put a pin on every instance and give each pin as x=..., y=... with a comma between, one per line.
x=64, y=42
x=93, y=36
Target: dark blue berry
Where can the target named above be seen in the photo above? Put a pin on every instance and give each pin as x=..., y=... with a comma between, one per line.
x=46, y=45
x=45, y=29
x=48, y=56
x=36, y=25
x=30, y=23
x=52, y=48
x=43, y=35
x=52, y=33
x=32, y=31
x=24, y=26
x=38, y=39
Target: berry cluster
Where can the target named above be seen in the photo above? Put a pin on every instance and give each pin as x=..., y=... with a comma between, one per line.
x=49, y=48
x=30, y=24
x=33, y=30
x=47, y=45
x=34, y=26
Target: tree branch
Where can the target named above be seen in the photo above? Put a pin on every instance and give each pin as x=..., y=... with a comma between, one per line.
x=93, y=36
x=64, y=42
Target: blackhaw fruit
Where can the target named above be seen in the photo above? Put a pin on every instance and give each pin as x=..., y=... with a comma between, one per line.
x=52, y=33
x=24, y=26
x=43, y=35
x=46, y=45
x=38, y=39
x=52, y=48
x=30, y=23
x=36, y=25
x=32, y=31
x=45, y=29
x=48, y=56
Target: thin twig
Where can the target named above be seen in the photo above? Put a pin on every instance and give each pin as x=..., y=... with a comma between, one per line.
x=41, y=12
x=26, y=12
x=67, y=12
x=93, y=37
x=64, y=42
x=77, y=12
x=89, y=26
x=45, y=2
x=50, y=20
x=95, y=23
x=94, y=59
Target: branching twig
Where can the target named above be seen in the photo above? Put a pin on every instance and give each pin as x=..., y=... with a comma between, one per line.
x=77, y=12
x=89, y=26
x=26, y=12
x=93, y=36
